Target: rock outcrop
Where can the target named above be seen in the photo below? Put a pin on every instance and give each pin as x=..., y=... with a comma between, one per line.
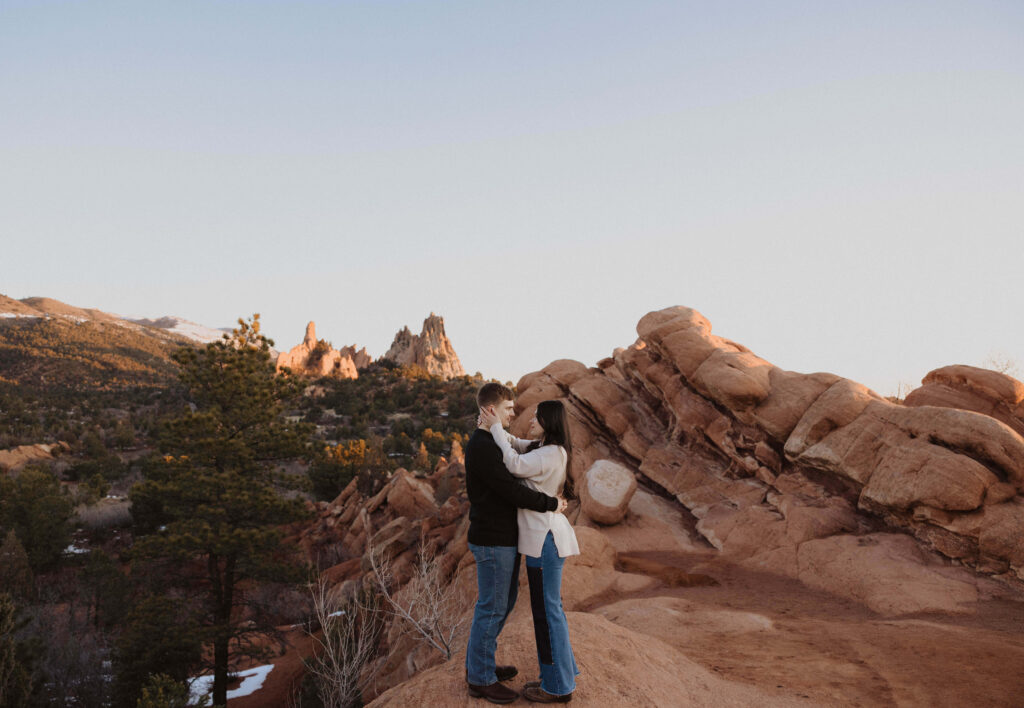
x=990, y=392
x=315, y=357
x=430, y=350
x=767, y=460
x=623, y=667
x=13, y=459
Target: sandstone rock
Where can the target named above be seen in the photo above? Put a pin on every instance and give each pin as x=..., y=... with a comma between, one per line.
x=665, y=617
x=1001, y=533
x=606, y=492
x=737, y=380
x=317, y=358
x=393, y=539
x=789, y=396
x=430, y=350
x=887, y=572
x=704, y=419
x=966, y=432
x=653, y=524
x=618, y=667
x=839, y=405
x=918, y=473
x=410, y=497
x=988, y=392
x=15, y=458
x=360, y=358
x=591, y=575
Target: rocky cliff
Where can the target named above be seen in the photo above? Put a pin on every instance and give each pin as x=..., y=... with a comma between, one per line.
x=782, y=469
x=430, y=349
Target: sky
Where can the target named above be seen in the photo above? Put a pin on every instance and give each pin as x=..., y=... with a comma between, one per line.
x=837, y=186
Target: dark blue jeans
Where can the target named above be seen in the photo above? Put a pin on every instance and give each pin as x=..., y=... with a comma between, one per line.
x=497, y=584
x=558, y=668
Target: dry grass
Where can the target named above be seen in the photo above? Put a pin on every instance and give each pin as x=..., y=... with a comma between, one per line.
x=105, y=514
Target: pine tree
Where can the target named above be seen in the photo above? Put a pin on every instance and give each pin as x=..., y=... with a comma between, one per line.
x=164, y=692
x=215, y=488
x=159, y=636
x=36, y=508
x=15, y=678
x=16, y=578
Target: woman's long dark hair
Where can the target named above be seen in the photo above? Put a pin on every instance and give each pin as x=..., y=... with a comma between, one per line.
x=554, y=421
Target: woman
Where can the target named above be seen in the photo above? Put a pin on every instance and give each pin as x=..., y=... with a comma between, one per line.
x=546, y=539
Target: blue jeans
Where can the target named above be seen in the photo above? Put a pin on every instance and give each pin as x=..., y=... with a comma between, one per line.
x=497, y=584
x=558, y=668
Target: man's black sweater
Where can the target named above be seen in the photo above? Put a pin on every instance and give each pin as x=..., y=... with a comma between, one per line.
x=494, y=494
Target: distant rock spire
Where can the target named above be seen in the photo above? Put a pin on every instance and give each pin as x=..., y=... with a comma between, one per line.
x=431, y=349
x=343, y=364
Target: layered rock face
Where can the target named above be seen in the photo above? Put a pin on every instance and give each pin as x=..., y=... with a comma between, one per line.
x=973, y=389
x=777, y=467
x=316, y=358
x=430, y=349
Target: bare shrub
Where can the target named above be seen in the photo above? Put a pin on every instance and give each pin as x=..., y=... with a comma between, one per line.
x=346, y=643
x=428, y=606
x=1001, y=362
x=74, y=656
x=107, y=514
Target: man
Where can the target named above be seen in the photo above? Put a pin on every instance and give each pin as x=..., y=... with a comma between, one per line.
x=494, y=496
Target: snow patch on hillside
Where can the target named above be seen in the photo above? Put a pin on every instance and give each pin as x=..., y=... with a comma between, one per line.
x=181, y=327
x=252, y=681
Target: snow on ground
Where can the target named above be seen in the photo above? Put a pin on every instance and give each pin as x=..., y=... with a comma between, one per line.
x=252, y=681
x=75, y=550
x=18, y=314
x=179, y=326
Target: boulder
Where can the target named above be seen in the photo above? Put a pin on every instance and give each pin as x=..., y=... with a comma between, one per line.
x=410, y=497
x=606, y=492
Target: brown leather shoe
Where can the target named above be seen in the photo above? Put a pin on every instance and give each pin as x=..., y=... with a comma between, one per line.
x=532, y=684
x=536, y=694
x=504, y=673
x=495, y=693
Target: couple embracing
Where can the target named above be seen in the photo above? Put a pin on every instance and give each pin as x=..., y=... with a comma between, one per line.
x=516, y=499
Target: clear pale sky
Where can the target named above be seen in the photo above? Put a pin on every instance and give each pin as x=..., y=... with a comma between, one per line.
x=838, y=186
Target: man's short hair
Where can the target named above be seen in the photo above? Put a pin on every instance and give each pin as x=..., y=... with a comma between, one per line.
x=493, y=393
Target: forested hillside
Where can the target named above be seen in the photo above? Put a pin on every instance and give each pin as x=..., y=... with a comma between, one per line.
x=88, y=355
x=98, y=537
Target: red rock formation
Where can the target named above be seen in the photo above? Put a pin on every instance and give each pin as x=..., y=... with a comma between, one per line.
x=13, y=459
x=430, y=350
x=317, y=358
x=973, y=389
x=767, y=459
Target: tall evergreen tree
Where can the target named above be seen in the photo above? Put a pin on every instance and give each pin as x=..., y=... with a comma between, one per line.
x=15, y=677
x=215, y=489
x=35, y=507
